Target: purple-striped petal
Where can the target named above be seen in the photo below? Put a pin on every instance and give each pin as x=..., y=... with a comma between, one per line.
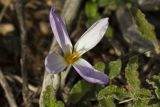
x=87, y=72
x=55, y=63
x=60, y=32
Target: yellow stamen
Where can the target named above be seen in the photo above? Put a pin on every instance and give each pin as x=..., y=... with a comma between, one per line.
x=71, y=57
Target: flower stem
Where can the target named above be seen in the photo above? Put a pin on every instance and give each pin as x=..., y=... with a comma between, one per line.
x=64, y=76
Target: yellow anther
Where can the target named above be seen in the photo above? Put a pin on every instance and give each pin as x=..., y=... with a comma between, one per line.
x=71, y=57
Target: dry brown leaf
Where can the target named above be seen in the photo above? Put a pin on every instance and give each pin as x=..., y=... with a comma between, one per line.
x=44, y=27
x=6, y=28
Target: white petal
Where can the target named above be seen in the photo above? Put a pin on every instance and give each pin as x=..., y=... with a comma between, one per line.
x=55, y=63
x=92, y=36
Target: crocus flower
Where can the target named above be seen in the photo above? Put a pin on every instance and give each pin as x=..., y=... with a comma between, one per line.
x=55, y=63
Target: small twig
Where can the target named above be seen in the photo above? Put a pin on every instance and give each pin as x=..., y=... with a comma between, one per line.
x=25, y=90
x=17, y=78
x=125, y=101
x=3, y=12
x=7, y=89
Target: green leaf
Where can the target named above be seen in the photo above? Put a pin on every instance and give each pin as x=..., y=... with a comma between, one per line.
x=84, y=104
x=100, y=66
x=140, y=96
x=103, y=3
x=108, y=91
x=146, y=29
x=114, y=68
x=143, y=93
x=141, y=103
x=155, y=83
x=79, y=90
x=112, y=91
x=131, y=74
x=49, y=100
x=157, y=91
x=91, y=10
x=156, y=78
x=107, y=102
x=155, y=105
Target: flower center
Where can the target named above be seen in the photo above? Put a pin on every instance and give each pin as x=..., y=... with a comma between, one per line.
x=71, y=57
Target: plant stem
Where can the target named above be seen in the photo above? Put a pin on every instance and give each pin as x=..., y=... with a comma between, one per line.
x=64, y=76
